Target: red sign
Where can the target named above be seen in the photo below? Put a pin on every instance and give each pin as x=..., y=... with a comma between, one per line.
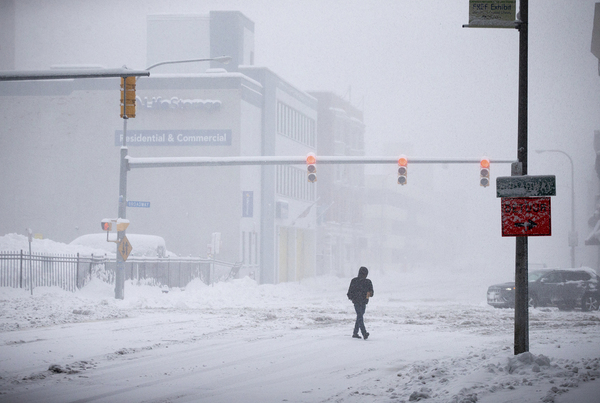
x=526, y=216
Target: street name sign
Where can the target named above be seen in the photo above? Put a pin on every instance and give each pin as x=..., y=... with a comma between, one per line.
x=526, y=216
x=131, y=203
x=526, y=186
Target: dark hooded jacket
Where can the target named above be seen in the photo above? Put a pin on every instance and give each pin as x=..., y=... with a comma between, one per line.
x=359, y=287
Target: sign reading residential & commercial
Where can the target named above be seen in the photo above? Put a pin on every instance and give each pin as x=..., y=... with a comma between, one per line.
x=174, y=137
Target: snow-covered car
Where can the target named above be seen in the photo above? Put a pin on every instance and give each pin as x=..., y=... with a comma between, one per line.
x=563, y=288
x=143, y=245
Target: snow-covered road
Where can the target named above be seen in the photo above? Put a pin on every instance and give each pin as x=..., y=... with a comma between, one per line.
x=243, y=342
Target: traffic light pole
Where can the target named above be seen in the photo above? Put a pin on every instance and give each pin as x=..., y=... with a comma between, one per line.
x=521, y=252
x=120, y=272
x=521, y=344
x=173, y=162
x=128, y=108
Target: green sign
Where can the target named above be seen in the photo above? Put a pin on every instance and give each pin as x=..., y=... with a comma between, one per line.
x=526, y=186
x=492, y=10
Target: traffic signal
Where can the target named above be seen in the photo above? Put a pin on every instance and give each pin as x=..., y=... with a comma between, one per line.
x=122, y=224
x=402, y=170
x=311, y=167
x=128, y=97
x=106, y=225
x=484, y=172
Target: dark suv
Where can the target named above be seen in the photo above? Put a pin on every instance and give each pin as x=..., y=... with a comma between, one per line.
x=563, y=288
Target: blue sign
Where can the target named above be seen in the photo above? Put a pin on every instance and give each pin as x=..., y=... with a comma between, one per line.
x=174, y=137
x=131, y=203
x=247, y=203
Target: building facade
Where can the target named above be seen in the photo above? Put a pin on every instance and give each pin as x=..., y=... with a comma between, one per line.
x=593, y=237
x=61, y=143
x=341, y=234
x=288, y=219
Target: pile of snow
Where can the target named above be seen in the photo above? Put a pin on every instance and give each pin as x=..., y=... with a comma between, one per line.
x=54, y=306
x=86, y=245
x=96, y=300
x=16, y=242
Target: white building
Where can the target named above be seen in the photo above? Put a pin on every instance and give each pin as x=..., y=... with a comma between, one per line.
x=61, y=143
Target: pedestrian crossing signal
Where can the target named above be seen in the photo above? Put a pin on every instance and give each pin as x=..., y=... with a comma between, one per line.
x=106, y=225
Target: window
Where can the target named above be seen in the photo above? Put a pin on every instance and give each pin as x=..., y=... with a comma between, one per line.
x=292, y=182
x=254, y=247
x=576, y=276
x=244, y=246
x=295, y=125
x=554, y=277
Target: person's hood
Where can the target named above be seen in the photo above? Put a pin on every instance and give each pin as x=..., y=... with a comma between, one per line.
x=363, y=272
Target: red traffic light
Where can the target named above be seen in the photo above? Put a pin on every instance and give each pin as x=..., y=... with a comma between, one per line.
x=402, y=170
x=311, y=168
x=484, y=172
x=106, y=225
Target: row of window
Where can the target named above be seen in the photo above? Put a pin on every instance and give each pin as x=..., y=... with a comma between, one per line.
x=295, y=125
x=292, y=182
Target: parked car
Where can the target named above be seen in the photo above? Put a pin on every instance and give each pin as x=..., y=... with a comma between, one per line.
x=563, y=288
x=143, y=245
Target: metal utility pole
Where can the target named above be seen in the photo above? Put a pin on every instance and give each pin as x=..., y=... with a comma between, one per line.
x=120, y=272
x=521, y=253
x=482, y=16
x=128, y=84
x=127, y=111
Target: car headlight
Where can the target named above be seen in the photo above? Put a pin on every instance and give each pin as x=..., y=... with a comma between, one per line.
x=509, y=288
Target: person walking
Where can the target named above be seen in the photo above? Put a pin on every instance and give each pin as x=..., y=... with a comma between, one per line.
x=359, y=292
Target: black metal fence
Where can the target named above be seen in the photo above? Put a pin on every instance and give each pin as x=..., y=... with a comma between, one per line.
x=176, y=272
x=71, y=272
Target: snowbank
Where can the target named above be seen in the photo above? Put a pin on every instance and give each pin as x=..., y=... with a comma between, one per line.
x=16, y=242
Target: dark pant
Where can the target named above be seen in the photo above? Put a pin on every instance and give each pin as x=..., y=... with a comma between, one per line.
x=360, y=323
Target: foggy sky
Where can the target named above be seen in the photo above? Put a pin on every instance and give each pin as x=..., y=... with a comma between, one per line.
x=421, y=79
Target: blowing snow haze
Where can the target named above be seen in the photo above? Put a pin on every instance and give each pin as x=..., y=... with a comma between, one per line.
x=424, y=86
